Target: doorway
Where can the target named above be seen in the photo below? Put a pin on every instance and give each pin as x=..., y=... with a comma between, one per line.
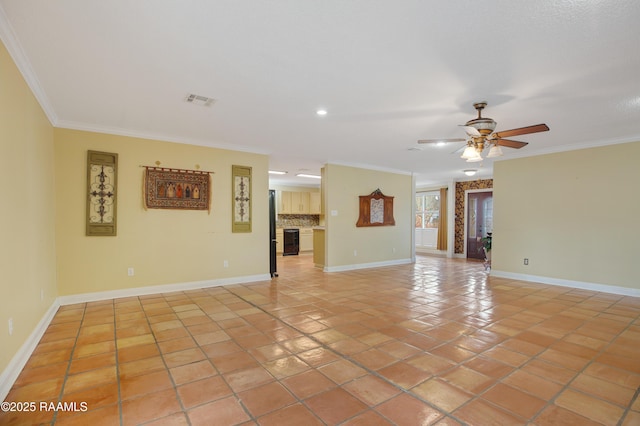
x=479, y=221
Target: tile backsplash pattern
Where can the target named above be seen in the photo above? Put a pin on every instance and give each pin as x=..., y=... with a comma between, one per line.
x=297, y=220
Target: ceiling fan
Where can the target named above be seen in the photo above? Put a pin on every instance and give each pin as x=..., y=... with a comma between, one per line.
x=480, y=133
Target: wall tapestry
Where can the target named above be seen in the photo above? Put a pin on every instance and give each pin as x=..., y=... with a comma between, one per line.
x=177, y=189
x=241, y=198
x=376, y=209
x=102, y=170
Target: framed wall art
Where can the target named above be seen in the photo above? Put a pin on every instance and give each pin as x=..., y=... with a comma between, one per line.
x=177, y=189
x=376, y=209
x=102, y=183
x=241, y=199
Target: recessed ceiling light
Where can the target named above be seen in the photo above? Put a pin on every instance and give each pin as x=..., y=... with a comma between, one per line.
x=321, y=112
x=277, y=172
x=309, y=176
x=470, y=172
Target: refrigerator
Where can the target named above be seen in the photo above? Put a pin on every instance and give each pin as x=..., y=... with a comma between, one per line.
x=273, y=267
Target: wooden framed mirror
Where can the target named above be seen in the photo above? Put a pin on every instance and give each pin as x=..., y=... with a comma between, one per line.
x=376, y=209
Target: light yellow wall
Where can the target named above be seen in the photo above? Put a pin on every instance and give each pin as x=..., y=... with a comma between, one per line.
x=344, y=185
x=574, y=215
x=27, y=211
x=163, y=246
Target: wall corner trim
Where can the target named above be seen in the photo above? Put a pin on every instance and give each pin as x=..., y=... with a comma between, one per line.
x=601, y=288
x=19, y=360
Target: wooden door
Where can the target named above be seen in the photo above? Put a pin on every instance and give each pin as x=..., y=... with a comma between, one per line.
x=479, y=221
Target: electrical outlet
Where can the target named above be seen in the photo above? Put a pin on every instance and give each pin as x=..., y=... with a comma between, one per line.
x=225, y=263
x=10, y=326
x=355, y=252
x=526, y=261
x=130, y=272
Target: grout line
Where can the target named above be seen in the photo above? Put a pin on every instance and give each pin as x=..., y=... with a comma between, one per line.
x=413, y=275
x=164, y=362
x=349, y=358
x=628, y=408
x=115, y=341
x=590, y=362
x=235, y=394
x=73, y=349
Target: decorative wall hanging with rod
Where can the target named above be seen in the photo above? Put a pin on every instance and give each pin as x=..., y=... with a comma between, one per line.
x=172, y=188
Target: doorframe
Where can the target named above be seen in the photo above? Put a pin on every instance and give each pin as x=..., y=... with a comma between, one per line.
x=466, y=211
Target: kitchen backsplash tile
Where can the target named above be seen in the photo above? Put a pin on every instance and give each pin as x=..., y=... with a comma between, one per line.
x=297, y=220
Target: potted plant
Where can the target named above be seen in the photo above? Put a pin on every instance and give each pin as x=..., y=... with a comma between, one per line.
x=486, y=246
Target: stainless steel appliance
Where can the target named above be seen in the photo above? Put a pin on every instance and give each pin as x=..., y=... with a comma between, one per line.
x=273, y=267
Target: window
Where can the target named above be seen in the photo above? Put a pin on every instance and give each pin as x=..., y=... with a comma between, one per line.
x=427, y=219
x=427, y=210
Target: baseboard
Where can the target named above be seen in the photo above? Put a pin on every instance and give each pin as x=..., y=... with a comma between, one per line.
x=432, y=253
x=165, y=288
x=356, y=266
x=19, y=360
x=602, y=288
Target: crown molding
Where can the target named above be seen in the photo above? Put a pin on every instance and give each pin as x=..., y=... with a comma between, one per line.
x=8, y=37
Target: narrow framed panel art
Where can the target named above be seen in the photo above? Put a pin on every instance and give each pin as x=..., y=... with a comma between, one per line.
x=241, y=199
x=176, y=189
x=102, y=183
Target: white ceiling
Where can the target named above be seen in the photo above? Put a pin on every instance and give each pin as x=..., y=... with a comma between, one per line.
x=389, y=72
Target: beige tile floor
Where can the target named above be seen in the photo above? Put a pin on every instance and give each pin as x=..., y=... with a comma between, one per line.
x=437, y=342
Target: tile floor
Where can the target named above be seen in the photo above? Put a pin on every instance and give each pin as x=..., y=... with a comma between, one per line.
x=437, y=342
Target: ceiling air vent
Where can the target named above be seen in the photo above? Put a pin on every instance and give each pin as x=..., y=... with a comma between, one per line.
x=199, y=100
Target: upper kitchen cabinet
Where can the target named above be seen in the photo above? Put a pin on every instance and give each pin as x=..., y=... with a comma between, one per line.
x=284, y=202
x=314, y=203
x=294, y=202
x=300, y=202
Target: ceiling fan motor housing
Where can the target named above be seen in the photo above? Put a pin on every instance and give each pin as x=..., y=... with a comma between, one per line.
x=484, y=125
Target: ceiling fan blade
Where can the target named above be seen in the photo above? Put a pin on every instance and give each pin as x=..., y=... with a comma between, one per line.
x=471, y=131
x=521, y=131
x=509, y=143
x=441, y=140
x=459, y=150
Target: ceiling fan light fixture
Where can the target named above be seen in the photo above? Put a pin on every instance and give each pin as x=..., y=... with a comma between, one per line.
x=495, y=151
x=469, y=152
x=477, y=157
